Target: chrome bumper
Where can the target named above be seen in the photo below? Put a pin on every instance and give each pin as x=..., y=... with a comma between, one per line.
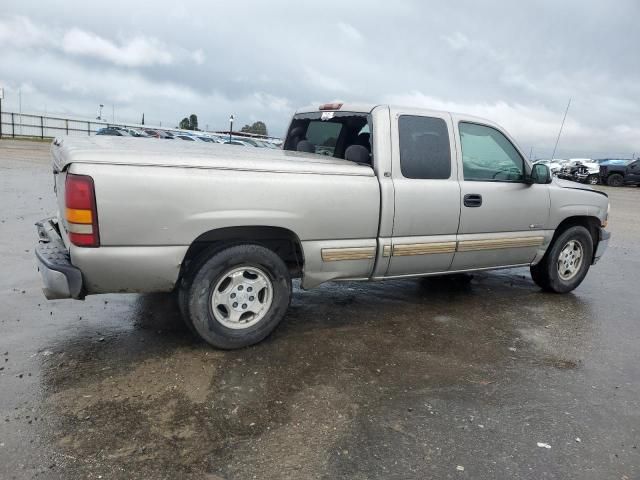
x=59, y=277
x=602, y=245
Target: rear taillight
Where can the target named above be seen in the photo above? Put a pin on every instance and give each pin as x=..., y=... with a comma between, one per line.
x=81, y=213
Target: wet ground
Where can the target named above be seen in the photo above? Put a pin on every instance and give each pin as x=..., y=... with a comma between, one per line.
x=447, y=378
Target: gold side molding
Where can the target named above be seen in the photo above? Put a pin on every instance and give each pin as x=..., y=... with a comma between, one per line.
x=423, y=248
x=498, y=243
x=348, y=253
x=410, y=249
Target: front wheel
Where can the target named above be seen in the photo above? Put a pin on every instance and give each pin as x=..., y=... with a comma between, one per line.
x=592, y=179
x=566, y=263
x=238, y=296
x=615, y=180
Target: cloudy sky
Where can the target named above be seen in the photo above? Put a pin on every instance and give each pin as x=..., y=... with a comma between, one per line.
x=517, y=63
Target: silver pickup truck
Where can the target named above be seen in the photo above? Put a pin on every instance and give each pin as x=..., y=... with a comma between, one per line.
x=358, y=192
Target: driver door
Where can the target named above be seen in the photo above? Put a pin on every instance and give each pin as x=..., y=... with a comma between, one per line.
x=503, y=220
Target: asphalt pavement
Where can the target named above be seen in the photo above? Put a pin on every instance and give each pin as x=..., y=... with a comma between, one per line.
x=478, y=377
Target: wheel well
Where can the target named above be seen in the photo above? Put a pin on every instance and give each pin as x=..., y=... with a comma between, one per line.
x=281, y=241
x=590, y=223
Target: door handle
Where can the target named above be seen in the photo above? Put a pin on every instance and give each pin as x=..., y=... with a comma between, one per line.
x=472, y=200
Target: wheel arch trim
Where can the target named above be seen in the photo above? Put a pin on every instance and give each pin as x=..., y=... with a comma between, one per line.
x=266, y=235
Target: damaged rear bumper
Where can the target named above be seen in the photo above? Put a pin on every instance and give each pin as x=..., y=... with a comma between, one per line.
x=60, y=278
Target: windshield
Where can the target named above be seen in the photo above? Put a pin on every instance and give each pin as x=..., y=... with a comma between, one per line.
x=329, y=133
x=616, y=161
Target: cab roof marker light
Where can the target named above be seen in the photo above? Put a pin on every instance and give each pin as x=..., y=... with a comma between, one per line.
x=330, y=106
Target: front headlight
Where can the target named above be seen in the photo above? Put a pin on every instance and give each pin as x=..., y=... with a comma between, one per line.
x=606, y=217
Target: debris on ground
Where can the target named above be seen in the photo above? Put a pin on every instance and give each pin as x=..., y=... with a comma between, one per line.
x=544, y=445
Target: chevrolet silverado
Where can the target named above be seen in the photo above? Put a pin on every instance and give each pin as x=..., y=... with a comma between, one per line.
x=358, y=192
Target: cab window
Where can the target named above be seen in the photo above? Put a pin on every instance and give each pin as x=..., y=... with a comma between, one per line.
x=487, y=155
x=323, y=136
x=330, y=133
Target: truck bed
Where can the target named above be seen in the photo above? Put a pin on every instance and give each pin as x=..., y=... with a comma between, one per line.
x=178, y=153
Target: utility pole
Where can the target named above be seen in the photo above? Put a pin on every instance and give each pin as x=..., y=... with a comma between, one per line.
x=231, y=119
x=553, y=155
x=1, y=97
x=20, y=108
x=113, y=113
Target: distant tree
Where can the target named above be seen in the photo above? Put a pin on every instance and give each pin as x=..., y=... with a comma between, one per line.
x=193, y=122
x=257, y=127
x=189, y=123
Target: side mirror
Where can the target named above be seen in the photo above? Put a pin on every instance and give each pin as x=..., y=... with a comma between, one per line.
x=540, y=173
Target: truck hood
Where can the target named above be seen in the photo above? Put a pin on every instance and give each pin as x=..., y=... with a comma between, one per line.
x=178, y=153
x=592, y=167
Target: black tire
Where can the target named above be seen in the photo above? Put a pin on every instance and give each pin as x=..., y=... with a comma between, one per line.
x=182, y=290
x=593, y=180
x=198, y=288
x=546, y=275
x=182, y=298
x=615, y=180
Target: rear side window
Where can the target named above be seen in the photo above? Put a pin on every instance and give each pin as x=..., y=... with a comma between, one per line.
x=424, y=147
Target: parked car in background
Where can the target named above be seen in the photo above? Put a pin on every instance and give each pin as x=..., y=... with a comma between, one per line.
x=249, y=141
x=567, y=170
x=266, y=144
x=582, y=170
x=151, y=133
x=617, y=173
x=159, y=134
x=236, y=141
x=134, y=132
x=188, y=138
x=206, y=139
x=113, y=131
x=587, y=171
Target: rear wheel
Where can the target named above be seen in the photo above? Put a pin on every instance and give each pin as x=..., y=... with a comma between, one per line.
x=566, y=263
x=615, y=180
x=237, y=296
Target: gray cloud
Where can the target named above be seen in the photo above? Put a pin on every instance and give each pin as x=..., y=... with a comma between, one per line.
x=512, y=62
